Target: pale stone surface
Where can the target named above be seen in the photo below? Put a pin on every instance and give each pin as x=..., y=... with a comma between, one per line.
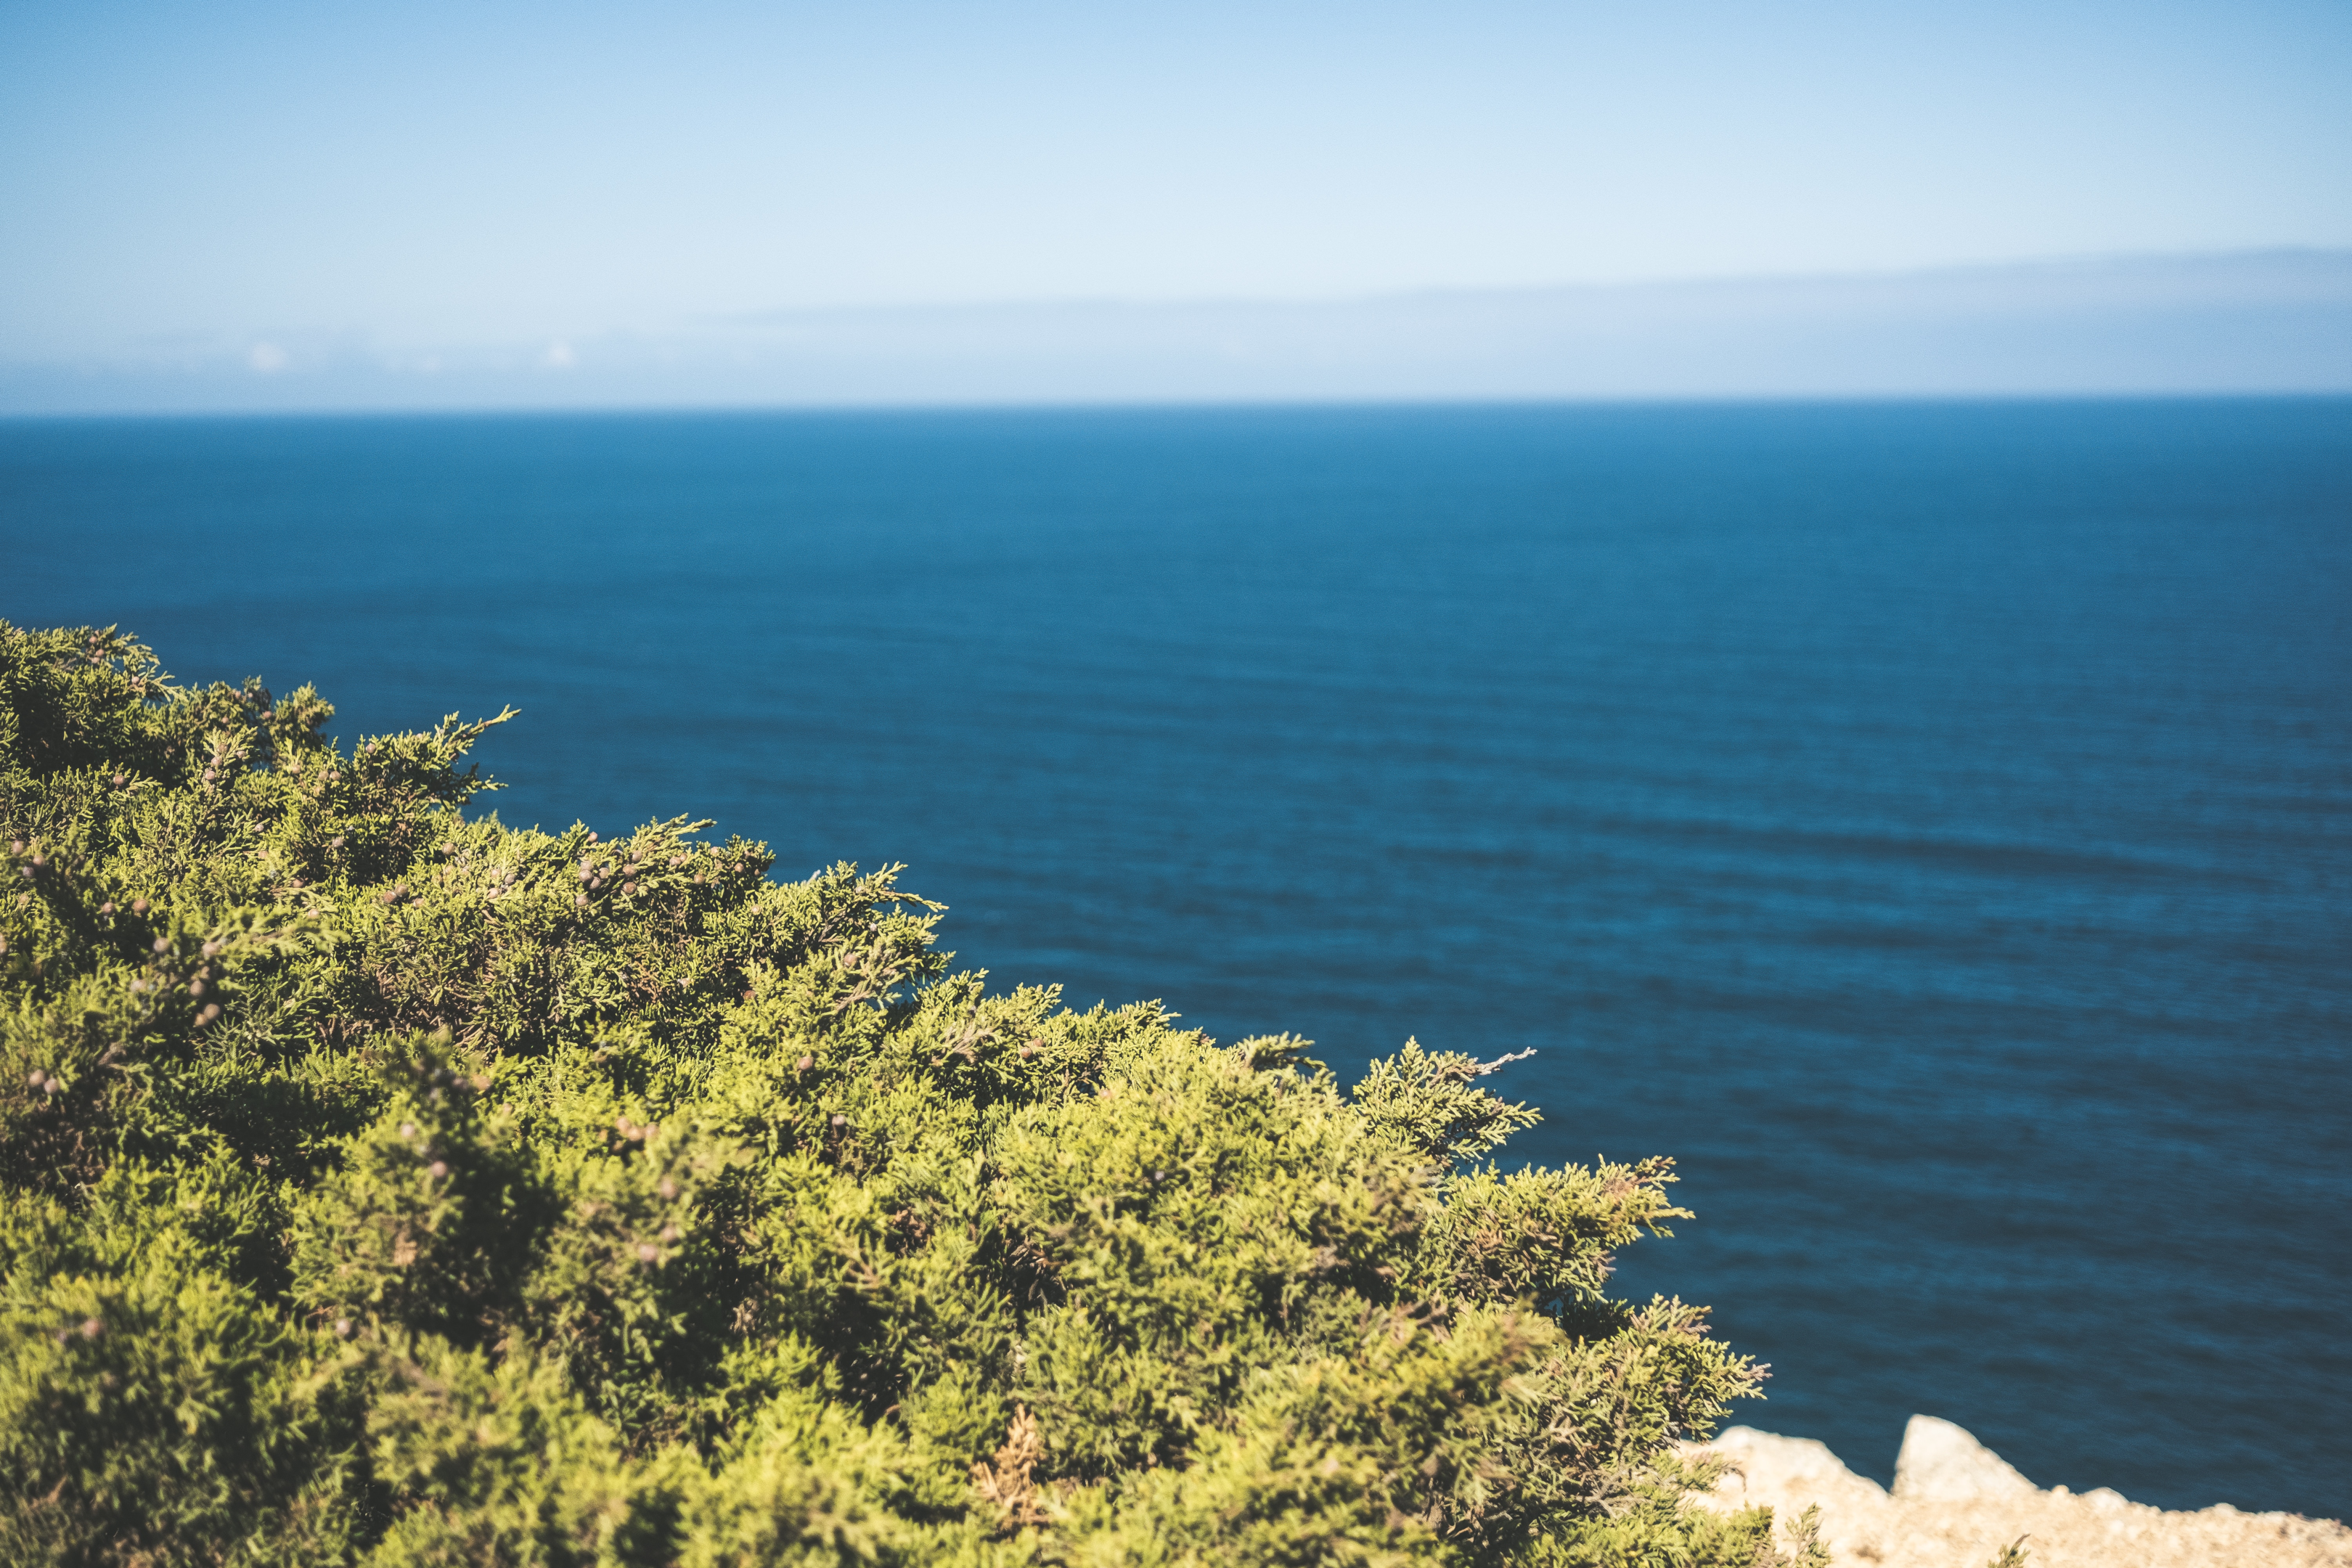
x=1765, y=1467
x=1941, y=1463
x=1863, y=1524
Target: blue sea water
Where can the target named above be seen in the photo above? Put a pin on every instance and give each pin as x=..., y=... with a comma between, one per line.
x=1932, y=824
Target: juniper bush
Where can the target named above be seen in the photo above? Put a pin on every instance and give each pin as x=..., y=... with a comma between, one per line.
x=386, y=1184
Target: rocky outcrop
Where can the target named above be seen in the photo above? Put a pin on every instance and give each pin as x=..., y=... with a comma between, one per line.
x=1939, y=1462
x=1956, y=1503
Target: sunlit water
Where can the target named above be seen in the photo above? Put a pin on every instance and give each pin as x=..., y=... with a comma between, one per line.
x=1931, y=824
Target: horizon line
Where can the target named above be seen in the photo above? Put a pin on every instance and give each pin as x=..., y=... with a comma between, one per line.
x=1206, y=404
x=2249, y=323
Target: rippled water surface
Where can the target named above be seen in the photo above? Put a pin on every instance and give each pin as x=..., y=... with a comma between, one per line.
x=1932, y=824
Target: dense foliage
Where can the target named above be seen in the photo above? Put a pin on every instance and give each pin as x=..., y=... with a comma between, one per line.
x=384, y=1184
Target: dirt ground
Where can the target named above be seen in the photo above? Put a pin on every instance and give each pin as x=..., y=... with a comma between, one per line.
x=1955, y=1504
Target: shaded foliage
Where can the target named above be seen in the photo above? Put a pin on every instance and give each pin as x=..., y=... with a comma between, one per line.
x=385, y=1185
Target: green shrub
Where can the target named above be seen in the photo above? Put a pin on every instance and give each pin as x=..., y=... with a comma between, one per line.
x=386, y=1184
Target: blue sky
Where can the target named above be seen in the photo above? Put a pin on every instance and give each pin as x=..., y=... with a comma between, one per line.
x=423, y=175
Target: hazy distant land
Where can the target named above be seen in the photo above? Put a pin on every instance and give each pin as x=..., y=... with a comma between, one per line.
x=2269, y=321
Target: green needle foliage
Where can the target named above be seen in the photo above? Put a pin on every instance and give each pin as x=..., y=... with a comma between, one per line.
x=384, y=1184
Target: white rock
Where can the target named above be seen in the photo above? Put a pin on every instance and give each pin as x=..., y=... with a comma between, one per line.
x=1921, y=1528
x=1767, y=1465
x=1941, y=1463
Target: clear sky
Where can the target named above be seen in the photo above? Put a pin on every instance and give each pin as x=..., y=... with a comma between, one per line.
x=423, y=173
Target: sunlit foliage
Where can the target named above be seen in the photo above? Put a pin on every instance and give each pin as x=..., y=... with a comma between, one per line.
x=386, y=1184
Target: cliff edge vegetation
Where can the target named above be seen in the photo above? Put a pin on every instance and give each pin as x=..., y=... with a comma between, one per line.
x=386, y=1184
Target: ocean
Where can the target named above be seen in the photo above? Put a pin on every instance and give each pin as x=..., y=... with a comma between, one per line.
x=1930, y=823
